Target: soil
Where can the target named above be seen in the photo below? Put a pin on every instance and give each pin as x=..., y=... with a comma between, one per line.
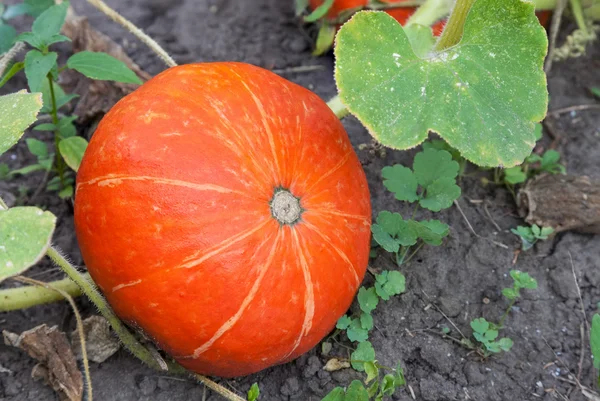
x=463, y=277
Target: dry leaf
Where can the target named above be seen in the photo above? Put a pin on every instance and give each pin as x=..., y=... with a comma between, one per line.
x=100, y=342
x=335, y=364
x=96, y=97
x=57, y=366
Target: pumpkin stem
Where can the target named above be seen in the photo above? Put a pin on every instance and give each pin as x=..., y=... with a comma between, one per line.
x=285, y=207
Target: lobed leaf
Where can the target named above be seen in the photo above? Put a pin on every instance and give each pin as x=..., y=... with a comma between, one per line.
x=25, y=234
x=480, y=325
x=17, y=112
x=367, y=299
x=363, y=353
x=356, y=392
x=431, y=165
x=355, y=331
x=343, y=322
x=401, y=181
x=384, y=239
x=440, y=194
x=483, y=95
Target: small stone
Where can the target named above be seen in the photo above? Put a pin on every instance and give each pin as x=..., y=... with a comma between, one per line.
x=147, y=385
x=297, y=45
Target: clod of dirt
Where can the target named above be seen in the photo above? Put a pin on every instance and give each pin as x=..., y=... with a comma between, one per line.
x=96, y=97
x=335, y=364
x=100, y=343
x=563, y=202
x=57, y=365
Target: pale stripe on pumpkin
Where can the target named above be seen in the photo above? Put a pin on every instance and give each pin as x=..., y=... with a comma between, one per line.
x=249, y=298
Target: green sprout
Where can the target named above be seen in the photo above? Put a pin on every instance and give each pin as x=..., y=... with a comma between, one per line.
x=530, y=235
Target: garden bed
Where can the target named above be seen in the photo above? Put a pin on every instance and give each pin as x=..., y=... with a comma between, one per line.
x=463, y=278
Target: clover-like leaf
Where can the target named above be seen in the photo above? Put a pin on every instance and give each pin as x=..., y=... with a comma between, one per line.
x=514, y=175
x=431, y=164
x=356, y=333
x=366, y=321
x=343, y=322
x=384, y=239
x=367, y=299
x=389, y=222
x=523, y=280
x=505, y=344
x=440, y=194
x=337, y=394
x=396, y=283
x=483, y=95
x=371, y=370
x=401, y=181
x=480, y=325
x=364, y=353
x=17, y=112
x=510, y=293
x=432, y=231
x=25, y=234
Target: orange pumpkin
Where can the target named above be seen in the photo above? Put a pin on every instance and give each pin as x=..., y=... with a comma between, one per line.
x=222, y=210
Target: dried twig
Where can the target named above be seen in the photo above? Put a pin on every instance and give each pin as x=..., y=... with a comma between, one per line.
x=574, y=108
x=137, y=32
x=500, y=244
x=9, y=55
x=554, y=27
x=443, y=314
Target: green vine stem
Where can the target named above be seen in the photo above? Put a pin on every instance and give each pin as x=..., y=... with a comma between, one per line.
x=127, y=338
x=28, y=296
x=577, y=11
x=336, y=105
x=11, y=73
x=430, y=12
x=60, y=163
x=454, y=28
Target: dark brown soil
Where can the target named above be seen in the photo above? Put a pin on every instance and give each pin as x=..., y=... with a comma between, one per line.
x=457, y=276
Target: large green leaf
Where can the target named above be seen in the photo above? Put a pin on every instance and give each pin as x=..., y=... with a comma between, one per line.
x=25, y=234
x=72, y=150
x=483, y=95
x=102, y=66
x=17, y=112
x=50, y=21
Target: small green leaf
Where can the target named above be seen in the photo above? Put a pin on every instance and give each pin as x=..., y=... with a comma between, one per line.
x=325, y=38
x=45, y=127
x=491, y=335
x=371, y=370
x=66, y=128
x=31, y=38
x=372, y=390
x=66, y=192
x=536, y=230
x=595, y=340
x=510, y=293
x=28, y=169
x=355, y=331
x=367, y=299
x=421, y=39
x=337, y=394
x=389, y=222
x=37, y=67
x=480, y=337
x=483, y=95
x=364, y=353
x=523, y=280
x=7, y=37
x=432, y=232
x=401, y=181
x=61, y=98
x=408, y=233
x=25, y=234
x=396, y=283
x=493, y=347
x=37, y=147
x=319, y=12
x=4, y=171
x=57, y=39
x=366, y=321
x=514, y=175
x=101, y=66
x=356, y=392
x=50, y=21
x=388, y=384
x=440, y=194
x=538, y=132
x=343, y=322
x=72, y=150
x=430, y=165
x=384, y=239
x=301, y=5
x=545, y=232
x=480, y=325
x=17, y=112
x=253, y=393
x=443, y=145
x=505, y=344
x=381, y=292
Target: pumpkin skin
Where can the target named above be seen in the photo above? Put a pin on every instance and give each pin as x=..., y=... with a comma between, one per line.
x=175, y=216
